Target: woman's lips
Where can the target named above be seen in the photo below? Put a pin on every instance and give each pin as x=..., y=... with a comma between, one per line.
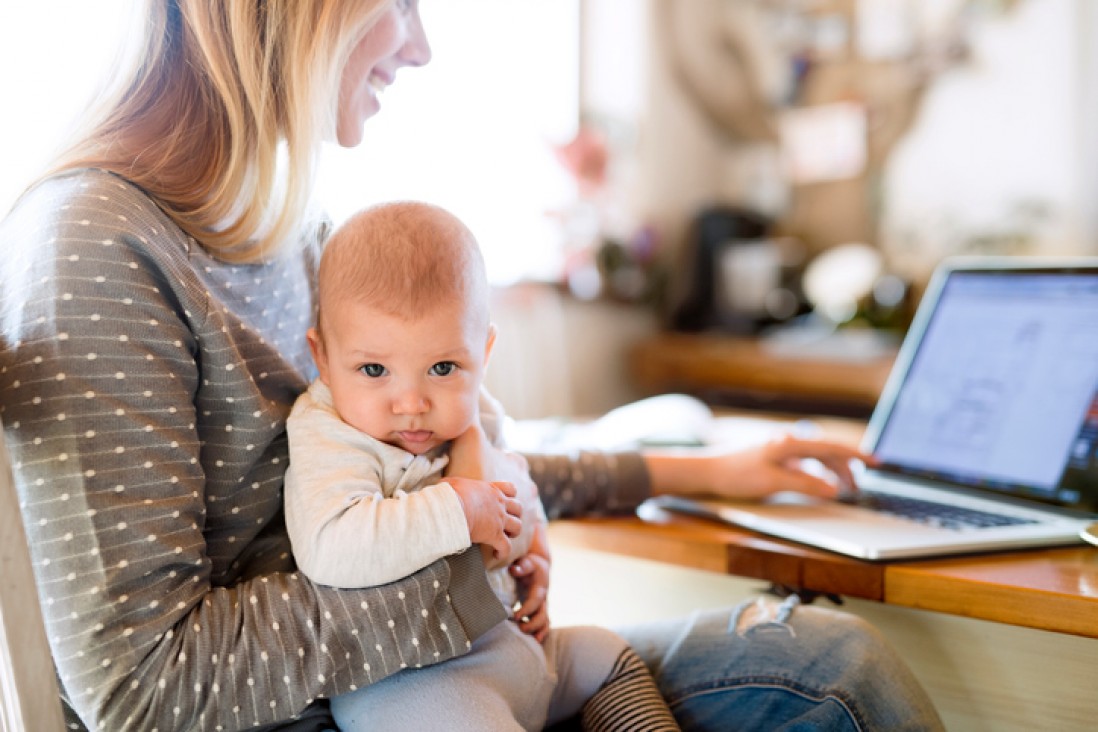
x=377, y=83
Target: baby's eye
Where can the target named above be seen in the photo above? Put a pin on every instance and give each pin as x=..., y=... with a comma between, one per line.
x=444, y=368
x=373, y=370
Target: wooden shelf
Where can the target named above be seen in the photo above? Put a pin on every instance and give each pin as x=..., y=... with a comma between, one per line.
x=745, y=372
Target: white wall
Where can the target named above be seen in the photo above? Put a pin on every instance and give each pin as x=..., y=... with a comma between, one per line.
x=1005, y=131
x=1015, y=126
x=559, y=357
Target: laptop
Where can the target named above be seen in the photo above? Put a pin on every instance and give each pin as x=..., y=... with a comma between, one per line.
x=986, y=431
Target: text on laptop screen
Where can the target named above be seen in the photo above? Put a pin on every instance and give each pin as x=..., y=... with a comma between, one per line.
x=1002, y=392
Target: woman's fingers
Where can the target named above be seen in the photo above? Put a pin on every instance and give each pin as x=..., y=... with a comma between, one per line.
x=535, y=624
x=795, y=479
x=792, y=447
x=532, y=603
x=532, y=572
x=843, y=473
x=835, y=459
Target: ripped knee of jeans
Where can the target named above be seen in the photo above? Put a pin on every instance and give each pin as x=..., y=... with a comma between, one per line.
x=763, y=616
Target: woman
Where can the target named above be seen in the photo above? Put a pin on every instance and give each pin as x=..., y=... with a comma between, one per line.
x=165, y=272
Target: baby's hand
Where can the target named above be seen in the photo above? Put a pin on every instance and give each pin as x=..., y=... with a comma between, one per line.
x=492, y=512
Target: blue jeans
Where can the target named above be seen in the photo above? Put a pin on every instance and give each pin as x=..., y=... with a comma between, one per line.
x=772, y=665
x=765, y=666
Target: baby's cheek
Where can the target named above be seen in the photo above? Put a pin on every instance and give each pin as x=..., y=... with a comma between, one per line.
x=366, y=416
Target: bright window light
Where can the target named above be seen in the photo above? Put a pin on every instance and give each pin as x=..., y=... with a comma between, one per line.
x=472, y=131
x=53, y=54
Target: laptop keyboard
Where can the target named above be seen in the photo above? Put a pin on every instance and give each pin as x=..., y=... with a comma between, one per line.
x=931, y=513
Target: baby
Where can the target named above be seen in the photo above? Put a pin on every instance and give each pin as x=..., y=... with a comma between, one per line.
x=401, y=343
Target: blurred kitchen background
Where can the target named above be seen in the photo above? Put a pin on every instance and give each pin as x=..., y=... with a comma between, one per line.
x=740, y=199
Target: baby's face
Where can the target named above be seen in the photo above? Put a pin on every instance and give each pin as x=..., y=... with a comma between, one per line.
x=413, y=383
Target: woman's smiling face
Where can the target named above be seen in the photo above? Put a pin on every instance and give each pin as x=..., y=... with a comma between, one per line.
x=395, y=41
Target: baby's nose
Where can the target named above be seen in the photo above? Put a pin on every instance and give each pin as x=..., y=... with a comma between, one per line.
x=410, y=401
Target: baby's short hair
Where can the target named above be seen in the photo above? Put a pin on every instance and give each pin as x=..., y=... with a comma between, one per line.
x=402, y=258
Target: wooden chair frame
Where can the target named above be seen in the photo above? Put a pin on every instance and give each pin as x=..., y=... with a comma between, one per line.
x=29, y=696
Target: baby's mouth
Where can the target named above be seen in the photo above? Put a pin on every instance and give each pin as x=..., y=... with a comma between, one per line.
x=415, y=436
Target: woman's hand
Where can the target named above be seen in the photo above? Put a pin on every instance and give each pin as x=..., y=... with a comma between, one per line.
x=757, y=472
x=532, y=574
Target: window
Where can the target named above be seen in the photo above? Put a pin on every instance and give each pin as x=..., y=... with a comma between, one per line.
x=53, y=53
x=472, y=131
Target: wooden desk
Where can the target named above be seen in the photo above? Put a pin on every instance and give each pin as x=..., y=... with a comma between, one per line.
x=971, y=629
x=1049, y=589
x=744, y=372
x=1005, y=642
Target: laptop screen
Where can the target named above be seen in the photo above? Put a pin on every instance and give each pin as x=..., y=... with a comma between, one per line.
x=1000, y=391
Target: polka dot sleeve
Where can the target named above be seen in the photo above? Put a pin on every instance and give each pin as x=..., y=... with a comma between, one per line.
x=143, y=391
x=590, y=483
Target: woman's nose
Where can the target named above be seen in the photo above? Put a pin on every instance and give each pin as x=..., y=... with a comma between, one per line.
x=416, y=50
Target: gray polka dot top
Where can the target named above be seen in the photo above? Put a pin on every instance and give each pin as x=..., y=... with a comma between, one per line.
x=144, y=387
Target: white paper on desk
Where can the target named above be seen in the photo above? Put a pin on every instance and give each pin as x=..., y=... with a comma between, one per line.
x=690, y=429
x=823, y=143
x=664, y=420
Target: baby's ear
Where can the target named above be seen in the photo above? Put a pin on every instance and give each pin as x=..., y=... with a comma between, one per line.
x=320, y=356
x=489, y=343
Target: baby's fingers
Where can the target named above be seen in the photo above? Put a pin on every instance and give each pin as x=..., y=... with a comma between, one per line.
x=512, y=526
x=501, y=547
x=505, y=487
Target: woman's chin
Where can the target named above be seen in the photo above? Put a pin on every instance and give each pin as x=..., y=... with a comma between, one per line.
x=350, y=138
x=349, y=133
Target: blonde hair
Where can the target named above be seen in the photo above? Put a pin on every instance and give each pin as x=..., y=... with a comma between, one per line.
x=215, y=94
x=403, y=258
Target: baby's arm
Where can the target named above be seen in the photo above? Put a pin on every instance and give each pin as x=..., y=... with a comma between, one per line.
x=474, y=454
x=492, y=513
x=344, y=531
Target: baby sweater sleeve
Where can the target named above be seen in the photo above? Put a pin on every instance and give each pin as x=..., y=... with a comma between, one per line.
x=350, y=524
